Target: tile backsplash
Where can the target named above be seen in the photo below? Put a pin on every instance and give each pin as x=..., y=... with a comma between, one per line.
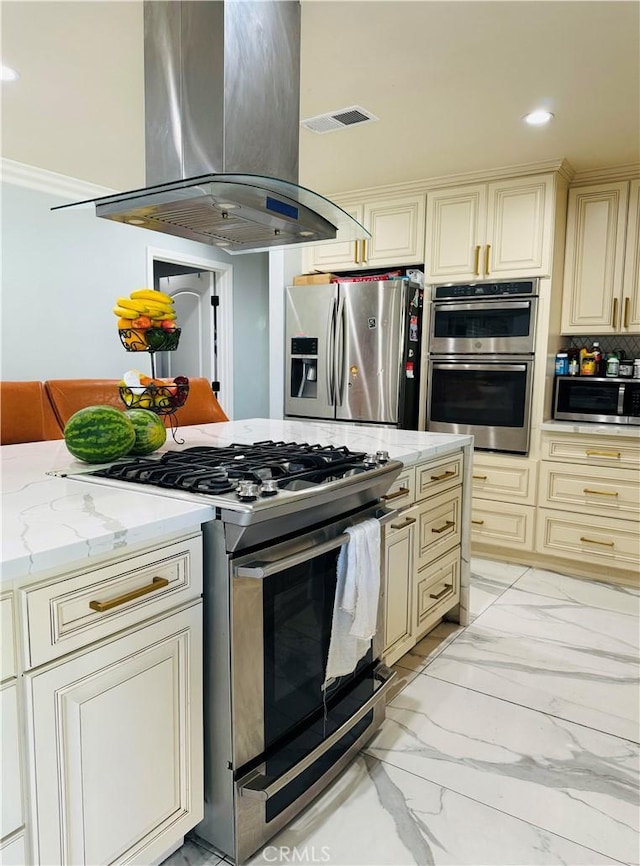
x=629, y=344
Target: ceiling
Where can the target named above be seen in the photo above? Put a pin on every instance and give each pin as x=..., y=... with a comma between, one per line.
x=450, y=82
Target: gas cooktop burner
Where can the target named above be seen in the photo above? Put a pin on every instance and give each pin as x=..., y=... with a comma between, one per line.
x=249, y=471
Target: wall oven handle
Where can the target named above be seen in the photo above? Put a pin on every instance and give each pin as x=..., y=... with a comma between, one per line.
x=265, y=569
x=447, y=307
x=255, y=783
x=482, y=367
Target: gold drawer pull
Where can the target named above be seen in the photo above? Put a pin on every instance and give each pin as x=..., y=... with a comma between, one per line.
x=601, y=492
x=487, y=260
x=478, y=522
x=447, y=474
x=407, y=522
x=626, y=312
x=480, y=477
x=102, y=606
x=591, y=452
x=595, y=541
x=447, y=525
x=614, y=315
x=476, y=263
x=401, y=491
x=442, y=592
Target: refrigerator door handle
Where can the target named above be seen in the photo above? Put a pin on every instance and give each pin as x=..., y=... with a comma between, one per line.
x=331, y=347
x=339, y=354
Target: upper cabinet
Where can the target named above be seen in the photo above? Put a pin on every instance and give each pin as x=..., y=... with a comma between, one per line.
x=601, y=292
x=500, y=229
x=397, y=237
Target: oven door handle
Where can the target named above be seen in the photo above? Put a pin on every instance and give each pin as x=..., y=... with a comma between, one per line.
x=502, y=304
x=482, y=368
x=255, y=783
x=266, y=569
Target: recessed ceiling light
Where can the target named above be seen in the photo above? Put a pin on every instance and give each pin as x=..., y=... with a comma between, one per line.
x=9, y=74
x=538, y=118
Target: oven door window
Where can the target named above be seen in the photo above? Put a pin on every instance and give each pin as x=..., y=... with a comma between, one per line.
x=482, y=322
x=297, y=617
x=481, y=396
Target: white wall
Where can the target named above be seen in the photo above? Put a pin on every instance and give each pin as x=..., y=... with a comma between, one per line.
x=61, y=274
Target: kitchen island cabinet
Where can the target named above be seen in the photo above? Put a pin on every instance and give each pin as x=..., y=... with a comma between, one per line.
x=97, y=792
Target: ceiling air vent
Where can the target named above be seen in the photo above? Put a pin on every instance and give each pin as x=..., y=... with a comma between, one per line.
x=334, y=120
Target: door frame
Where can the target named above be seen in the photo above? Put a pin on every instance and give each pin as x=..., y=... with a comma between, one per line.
x=224, y=289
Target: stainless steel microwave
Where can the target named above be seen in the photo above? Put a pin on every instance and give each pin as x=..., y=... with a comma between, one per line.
x=603, y=401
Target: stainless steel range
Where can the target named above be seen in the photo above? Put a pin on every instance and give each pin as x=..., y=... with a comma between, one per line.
x=274, y=738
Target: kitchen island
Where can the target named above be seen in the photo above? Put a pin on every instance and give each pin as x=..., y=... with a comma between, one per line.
x=102, y=619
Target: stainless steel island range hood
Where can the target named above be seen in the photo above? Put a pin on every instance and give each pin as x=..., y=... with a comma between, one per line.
x=222, y=92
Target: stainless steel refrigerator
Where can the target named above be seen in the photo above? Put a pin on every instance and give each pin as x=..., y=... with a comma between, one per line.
x=353, y=352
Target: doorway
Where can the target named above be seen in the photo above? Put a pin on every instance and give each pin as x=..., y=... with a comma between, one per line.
x=202, y=295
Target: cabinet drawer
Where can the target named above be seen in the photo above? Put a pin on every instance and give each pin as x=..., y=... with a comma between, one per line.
x=590, y=490
x=11, y=783
x=438, y=526
x=437, y=587
x=403, y=490
x=593, y=450
x=504, y=481
x=62, y=615
x=609, y=541
x=504, y=524
x=438, y=475
x=7, y=639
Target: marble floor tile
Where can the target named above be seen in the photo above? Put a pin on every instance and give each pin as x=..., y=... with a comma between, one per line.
x=572, y=661
x=549, y=584
x=564, y=778
x=405, y=676
x=430, y=646
x=375, y=814
x=505, y=573
x=191, y=854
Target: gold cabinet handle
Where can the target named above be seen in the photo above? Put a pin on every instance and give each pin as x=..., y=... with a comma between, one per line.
x=401, y=491
x=448, y=474
x=487, y=260
x=447, y=525
x=442, y=592
x=356, y=247
x=364, y=251
x=592, y=452
x=480, y=477
x=614, y=314
x=626, y=313
x=102, y=606
x=478, y=522
x=595, y=541
x=476, y=264
x=600, y=492
x=407, y=522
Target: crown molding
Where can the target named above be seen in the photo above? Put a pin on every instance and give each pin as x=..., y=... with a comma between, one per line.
x=43, y=180
x=560, y=166
x=629, y=171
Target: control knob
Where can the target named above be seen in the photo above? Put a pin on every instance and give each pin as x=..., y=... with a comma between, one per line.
x=370, y=460
x=247, y=491
x=269, y=487
x=382, y=456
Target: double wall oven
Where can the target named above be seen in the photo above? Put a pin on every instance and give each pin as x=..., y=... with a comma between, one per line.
x=481, y=357
x=274, y=736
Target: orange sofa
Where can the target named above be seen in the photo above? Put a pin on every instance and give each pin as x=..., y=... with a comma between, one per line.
x=26, y=414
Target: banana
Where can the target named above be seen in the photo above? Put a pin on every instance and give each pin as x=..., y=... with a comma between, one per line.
x=125, y=312
x=160, y=309
x=137, y=306
x=152, y=295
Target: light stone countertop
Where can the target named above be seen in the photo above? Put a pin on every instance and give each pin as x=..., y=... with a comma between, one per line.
x=50, y=522
x=630, y=431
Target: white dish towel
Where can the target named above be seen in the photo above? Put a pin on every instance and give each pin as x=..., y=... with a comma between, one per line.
x=355, y=609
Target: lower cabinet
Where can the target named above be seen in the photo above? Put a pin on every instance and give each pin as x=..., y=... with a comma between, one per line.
x=116, y=745
x=422, y=554
x=503, y=505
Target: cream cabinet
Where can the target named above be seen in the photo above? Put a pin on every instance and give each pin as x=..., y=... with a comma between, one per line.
x=589, y=503
x=397, y=237
x=422, y=561
x=601, y=289
x=503, y=504
x=109, y=674
x=12, y=845
x=500, y=229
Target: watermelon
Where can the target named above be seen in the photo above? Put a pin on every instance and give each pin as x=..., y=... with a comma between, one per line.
x=98, y=434
x=151, y=433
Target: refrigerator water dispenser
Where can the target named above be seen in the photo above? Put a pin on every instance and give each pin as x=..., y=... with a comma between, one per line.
x=304, y=367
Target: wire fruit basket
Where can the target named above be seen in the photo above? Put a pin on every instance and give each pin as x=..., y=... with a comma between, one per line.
x=149, y=339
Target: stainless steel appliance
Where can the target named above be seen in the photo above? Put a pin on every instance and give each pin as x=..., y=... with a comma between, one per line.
x=273, y=737
x=353, y=351
x=481, y=362
x=600, y=400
